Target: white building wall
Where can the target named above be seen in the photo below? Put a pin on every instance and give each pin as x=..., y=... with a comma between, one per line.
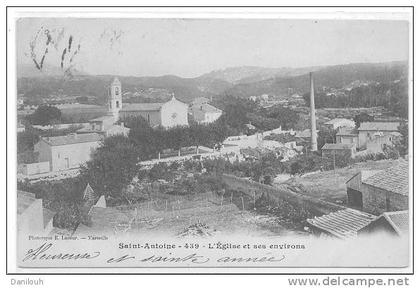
x=65, y=156
x=72, y=156
x=174, y=113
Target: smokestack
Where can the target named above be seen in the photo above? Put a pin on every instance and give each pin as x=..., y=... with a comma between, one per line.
x=314, y=144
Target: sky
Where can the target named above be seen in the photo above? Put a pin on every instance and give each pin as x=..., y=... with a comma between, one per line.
x=191, y=47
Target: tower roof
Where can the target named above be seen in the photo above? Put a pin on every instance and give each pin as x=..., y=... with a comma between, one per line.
x=116, y=81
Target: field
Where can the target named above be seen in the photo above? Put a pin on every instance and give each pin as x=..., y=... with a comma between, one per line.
x=205, y=213
x=331, y=185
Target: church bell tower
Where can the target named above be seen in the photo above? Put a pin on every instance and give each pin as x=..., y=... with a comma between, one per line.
x=115, y=99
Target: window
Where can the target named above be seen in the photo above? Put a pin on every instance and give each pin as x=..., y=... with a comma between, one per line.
x=117, y=90
x=148, y=118
x=118, y=104
x=388, y=203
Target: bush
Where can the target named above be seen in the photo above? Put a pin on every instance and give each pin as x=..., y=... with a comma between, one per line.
x=45, y=115
x=291, y=216
x=112, y=167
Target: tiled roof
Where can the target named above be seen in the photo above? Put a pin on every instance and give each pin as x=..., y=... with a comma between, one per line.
x=339, y=120
x=337, y=146
x=206, y=108
x=393, y=179
x=379, y=126
x=72, y=139
x=100, y=119
x=346, y=131
x=142, y=107
x=399, y=220
x=342, y=224
x=24, y=200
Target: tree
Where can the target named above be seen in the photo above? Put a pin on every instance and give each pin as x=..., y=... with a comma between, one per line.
x=45, y=115
x=82, y=99
x=362, y=117
x=402, y=143
x=325, y=135
x=287, y=118
x=112, y=167
x=148, y=141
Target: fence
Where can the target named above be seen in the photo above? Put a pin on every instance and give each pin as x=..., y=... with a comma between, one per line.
x=61, y=126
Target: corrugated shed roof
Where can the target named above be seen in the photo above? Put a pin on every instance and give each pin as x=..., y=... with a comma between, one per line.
x=72, y=139
x=343, y=224
x=337, y=146
x=394, y=179
x=379, y=126
x=142, y=107
x=399, y=220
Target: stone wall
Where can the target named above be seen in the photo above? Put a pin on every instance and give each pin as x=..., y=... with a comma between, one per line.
x=275, y=194
x=377, y=201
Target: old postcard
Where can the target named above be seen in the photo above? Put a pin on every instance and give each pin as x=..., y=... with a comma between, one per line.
x=271, y=140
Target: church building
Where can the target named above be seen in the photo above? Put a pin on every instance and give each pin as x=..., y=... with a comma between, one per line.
x=169, y=114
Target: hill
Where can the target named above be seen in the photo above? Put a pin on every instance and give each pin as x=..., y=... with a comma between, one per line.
x=251, y=74
x=331, y=76
x=236, y=81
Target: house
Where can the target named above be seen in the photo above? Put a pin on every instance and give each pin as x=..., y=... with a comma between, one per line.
x=105, y=126
x=205, y=113
x=393, y=223
x=368, y=131
x=347, y=135
x=338, y=149
x=377, y=192
x=67, y=152
x=340, y=122
x=31, y=216
x=342, y=224
x=379, y=139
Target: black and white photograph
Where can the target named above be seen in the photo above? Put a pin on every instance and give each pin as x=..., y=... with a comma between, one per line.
x=272, y=141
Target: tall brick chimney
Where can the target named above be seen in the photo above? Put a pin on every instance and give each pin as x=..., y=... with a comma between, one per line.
x=314, y=144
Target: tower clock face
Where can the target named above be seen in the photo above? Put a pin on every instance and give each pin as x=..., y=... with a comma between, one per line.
x=174, y=115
